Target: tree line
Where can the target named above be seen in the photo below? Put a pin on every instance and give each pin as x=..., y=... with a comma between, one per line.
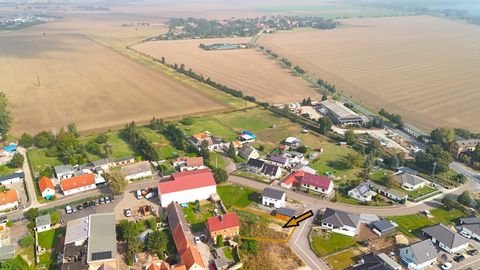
x=139, y=141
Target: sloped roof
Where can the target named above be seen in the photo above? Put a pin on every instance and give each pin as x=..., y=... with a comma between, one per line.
x=339, y=218
x=12, y=176
x=469, y=220
x=63, y=169
x=194, y=161
x=191, y=256
x=382, y=225
x=445, y=235
x=423, y=251
x=256, y=163
x=270, y=169
x=278, y=159
x=273, y=193
x=187, y=181
x=42, y=220
x=475, y=228
x=284, y=211
x=223, y=222
x=77, y=181
x=406, y=178
x=316, y=180
x=136, y=168
x=245, y=151
x=8, y=196
x=45, y=183
x=294, y=178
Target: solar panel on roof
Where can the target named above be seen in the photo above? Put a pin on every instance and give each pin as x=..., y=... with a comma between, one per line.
x=96, y=256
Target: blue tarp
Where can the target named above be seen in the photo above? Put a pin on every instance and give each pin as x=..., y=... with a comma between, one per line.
x=249, y=134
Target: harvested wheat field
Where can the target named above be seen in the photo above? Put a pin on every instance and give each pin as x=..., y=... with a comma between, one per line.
x=86, y=83
x=247, y=70
x=424, y=68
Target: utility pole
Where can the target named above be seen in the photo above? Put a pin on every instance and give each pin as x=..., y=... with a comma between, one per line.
x=38, y=80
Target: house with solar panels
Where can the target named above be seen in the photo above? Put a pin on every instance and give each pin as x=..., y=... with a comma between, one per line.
x=102, y=242
x=362, y=193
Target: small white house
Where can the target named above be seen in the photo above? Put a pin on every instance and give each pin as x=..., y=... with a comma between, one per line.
x=317, y=183
x=248, y=152
x=340, y=222
x=46, y=187
x=362, y=193
x=12, y=178
x=43, y=223
x=419, y=256
x=63, y=171
x=410, y=181
x=273, y=198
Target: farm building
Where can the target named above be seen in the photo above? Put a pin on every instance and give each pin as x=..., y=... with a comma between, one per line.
x=8, y=200
x=12, y=178
x=340, y=114
x=121, y=161
x=101, y=165
x=78, y=184
x=137, y=170
x=46, y=187
x=273, y=197
x=227, y=225
x=187, y=187
x=189, y=163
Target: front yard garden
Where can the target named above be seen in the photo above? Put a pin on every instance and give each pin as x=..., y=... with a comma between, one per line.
x=239, y=196
x=324, y=243
x=198, y=213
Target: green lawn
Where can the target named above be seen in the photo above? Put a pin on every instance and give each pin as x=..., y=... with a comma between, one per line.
x=341, y=198
x=212, y=125
x=50, y=238
x=38, y=160
x=5, y=170
x=163, y=146
x=332, y=242
x=197, y=220
x=120, y=147
x=252, y=176
x=411, y=225
x=341, y=260
x=419, y=192
x=330, y=160
x=234, y=195
x=227, y=251
x=217, y=160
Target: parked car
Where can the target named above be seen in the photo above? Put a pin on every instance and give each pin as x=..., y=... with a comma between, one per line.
x=96, y=202
x=128, y=212
x=74, y=209
x=85, y=205
x=197, y=239
x=107, y=199
x=446, y=266
x=472, y=252
x=466, y=235
x=459, y=258
x=79, y=207
x=91, y=203
x=102, y=200
x=68, y=209
x=138, y=194
x=149, y=195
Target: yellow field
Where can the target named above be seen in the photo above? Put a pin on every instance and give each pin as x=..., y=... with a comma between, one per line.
x=426, y=69
x=247, y=70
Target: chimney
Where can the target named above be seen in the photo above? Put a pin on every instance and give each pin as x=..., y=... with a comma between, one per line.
x=221, y=218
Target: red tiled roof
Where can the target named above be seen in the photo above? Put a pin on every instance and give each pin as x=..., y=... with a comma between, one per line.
x=186, y=181
x=194, y=161
x=294, y=178
x=179, y=267
x=45, y=183
x=223, y=222
x=191, y=256
x=8, y=196
x=78, y=181
x=316, y=180
x=180, y=239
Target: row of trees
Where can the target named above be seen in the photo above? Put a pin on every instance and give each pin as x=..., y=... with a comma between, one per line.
x=139, y=141
x=395, y=118
x=446, y=136
x=5, y=117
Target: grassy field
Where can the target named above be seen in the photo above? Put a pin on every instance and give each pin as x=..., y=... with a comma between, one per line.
x=6, y=170
x=212, y=125
x=252, y=176
x=411, y=225
x=120, y=147
x=239, y=196
x=163, y=146
x=197, y=220
x=330, y=243
x=254, y=74
x=397, y=76
x=341, y=260
x=50, y=238
x=38, y=160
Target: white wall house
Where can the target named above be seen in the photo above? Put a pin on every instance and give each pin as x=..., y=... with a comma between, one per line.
x=362, y=193
x=410, y=182
x=43, y=223
x=317, y=183
x=137, y=170
x=78, y=184
x=471, y=229
x=273, y=198
x=446, y=239
x=340, y=222
x=8, y=200
x=12, y=178
x=419, y=256
x=186, y=187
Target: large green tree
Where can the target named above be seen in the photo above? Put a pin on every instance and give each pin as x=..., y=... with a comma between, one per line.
x=26, y=140
x=353, y=160
x=465, y=198
x=16, y=161
x=325, y=125
x=5, y=117
x=443, y=136
x=220, y=175
x=350, y=137
x=156, y=242
x=116, y=182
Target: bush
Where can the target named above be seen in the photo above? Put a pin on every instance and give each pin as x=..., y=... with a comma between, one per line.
x=44, y=139
x=101, y=139
x=16, y=161
x=26, y=140
x=9, y=223
x=219, y=240
x=302, y=149
x=188, y=121
x=26, y=241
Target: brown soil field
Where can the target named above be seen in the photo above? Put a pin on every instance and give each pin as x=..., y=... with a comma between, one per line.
x=85, y=83
x=424, y=68
x=247, y=70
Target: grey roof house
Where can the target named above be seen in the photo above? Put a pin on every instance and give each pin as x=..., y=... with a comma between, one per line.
x=271, y=171
x=410, y=181
x=254, y=164
x=340, y=222
x=248, y=152
x=445, y=238
x=63, y=171
x=419, y=255
x=382, y=227
x=469, y=220
x=42, y=223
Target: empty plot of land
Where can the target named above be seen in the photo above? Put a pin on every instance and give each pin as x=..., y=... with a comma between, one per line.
x=424, y=68
x=247, y=70
x=56, y=79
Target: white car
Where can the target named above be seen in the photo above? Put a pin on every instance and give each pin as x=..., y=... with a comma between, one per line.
x=68, y=209
x=128, y=212
x=149, y=195
x=197, y=239
x=466, y=235
x=446, y=266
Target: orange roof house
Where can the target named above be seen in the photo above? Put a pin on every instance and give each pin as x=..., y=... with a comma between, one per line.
x=227, y=225
x=78, y=184
x=46, y=187
x=8, y=199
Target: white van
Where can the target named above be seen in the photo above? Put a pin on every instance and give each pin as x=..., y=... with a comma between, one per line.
x=138, y=194
x=149, y=195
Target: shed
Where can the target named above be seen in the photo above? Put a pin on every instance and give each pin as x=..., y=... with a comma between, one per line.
x=382, y=227
x=285, y=213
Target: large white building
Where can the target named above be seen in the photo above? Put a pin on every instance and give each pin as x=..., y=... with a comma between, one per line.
x=340, y=114
x=187, y=187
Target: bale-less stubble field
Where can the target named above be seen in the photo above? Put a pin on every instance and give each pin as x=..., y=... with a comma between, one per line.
x=86, y=83
x=247, y=70
x=426, y=69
